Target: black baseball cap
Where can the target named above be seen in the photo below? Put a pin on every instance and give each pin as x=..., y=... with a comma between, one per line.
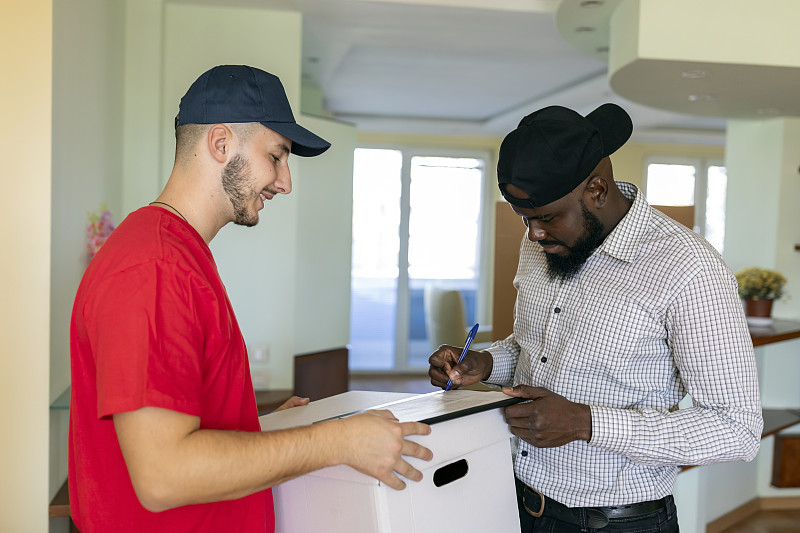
x=554, y=149
x=229, y=94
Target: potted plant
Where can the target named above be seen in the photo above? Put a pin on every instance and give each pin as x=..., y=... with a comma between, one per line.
x=759, y=287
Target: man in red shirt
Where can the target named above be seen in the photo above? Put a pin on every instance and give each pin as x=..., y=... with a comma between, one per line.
x=164, y=432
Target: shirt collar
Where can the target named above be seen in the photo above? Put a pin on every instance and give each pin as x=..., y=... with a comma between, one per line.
x=625, y=239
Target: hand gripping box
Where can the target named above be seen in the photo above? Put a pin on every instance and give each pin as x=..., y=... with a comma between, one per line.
x=468, y=486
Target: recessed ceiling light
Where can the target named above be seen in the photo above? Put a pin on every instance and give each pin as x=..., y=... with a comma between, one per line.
x=591, y=3
x=694, y=74
x=584, y=29
x=768, y=111
x=700, y=97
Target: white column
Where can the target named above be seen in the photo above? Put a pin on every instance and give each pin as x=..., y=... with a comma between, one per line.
x=762, y=221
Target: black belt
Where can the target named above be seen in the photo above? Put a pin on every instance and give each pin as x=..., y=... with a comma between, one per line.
x=536, y=504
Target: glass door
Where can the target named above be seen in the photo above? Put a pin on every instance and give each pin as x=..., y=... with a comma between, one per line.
x=443, y=238
x=376, y=247
x=416, y=220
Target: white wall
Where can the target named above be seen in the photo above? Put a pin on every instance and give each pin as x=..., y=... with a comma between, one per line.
x=87, y=163
x=787, y=259
x=83, y=125
x=690, y=494
x=271, y=271
x=324, y=223
x=87, y=151
x=762, y=227
x=142, y=113
x=25, y=111
x=257, y=264
x=728, y=486
x=762, y=220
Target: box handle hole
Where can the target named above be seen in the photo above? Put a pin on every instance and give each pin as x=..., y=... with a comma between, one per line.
x=449, y=473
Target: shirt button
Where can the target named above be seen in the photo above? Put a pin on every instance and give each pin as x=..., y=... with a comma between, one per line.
x=524, y=454
x=544, y=359
x=557, y=310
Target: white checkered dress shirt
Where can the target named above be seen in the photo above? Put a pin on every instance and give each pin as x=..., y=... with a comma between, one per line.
x=653, y=315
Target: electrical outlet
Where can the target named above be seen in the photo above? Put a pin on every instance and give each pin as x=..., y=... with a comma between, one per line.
x=260, y=377
x=259, y=365
x=259, y=354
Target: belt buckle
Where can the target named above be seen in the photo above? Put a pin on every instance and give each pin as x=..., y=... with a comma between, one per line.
x=538, y=513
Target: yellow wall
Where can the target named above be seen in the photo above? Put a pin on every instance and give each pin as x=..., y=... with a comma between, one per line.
x=25, y=105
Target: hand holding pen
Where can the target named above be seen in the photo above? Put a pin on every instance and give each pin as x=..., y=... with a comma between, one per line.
x=467, y=344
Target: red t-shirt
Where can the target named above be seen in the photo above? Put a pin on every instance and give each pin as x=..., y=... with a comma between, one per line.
x=152, y=326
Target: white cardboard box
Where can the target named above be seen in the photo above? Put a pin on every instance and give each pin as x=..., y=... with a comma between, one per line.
x=468, y=486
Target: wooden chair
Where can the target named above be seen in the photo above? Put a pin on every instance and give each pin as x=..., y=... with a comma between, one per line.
x=318, y=375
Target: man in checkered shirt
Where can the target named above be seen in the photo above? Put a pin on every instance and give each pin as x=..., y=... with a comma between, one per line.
x=621, y=312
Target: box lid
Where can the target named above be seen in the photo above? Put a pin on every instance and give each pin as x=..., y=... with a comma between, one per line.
x=464, y=421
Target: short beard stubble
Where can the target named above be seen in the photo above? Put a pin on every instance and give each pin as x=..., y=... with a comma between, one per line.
x=238, y=185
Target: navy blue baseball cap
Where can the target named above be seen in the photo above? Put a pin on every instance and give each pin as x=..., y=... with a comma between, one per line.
x=229, y=94
x=554, y=149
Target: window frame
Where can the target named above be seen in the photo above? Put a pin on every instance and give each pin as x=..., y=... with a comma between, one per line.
x=701, y=165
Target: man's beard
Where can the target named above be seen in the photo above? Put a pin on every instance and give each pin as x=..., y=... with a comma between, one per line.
x=566, y=267
x=238, y=185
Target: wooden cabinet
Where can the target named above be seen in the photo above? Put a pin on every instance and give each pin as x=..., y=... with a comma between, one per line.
x=786, y=461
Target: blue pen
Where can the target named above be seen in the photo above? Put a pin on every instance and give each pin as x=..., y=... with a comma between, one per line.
x=470, y=338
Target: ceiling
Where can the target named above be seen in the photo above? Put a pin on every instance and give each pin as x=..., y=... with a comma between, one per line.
x=460, y=67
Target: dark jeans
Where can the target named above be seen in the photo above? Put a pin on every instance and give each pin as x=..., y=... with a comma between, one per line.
x=662, y=521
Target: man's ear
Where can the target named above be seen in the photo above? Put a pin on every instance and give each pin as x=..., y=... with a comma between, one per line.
x=597, y=191
x=219, y=142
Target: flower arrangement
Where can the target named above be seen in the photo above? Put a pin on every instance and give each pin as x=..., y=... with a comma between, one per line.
x=99, y=228
x=760, y=284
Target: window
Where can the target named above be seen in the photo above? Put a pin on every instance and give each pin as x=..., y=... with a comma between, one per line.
x=691, y=182
x=417, y=219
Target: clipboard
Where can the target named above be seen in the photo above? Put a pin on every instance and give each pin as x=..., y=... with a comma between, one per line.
x=439, y=406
